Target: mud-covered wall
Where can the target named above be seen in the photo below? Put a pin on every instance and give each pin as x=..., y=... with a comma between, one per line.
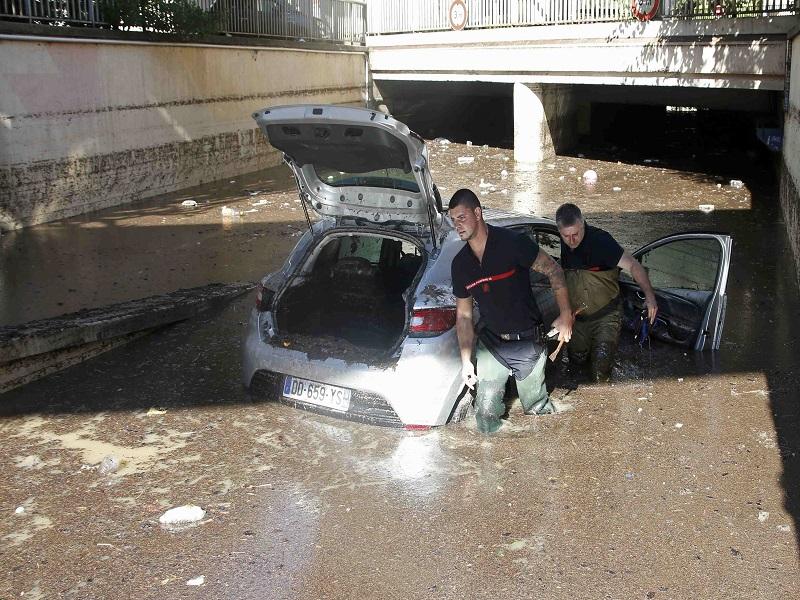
x=87, y=124
x=790, y=169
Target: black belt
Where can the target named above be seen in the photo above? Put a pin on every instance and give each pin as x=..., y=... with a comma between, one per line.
x=533, y=333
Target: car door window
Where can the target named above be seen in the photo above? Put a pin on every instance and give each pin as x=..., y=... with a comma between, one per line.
x=689, y=264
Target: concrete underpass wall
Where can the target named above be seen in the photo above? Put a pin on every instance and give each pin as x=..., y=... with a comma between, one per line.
x=790, y=171
x=87, y=124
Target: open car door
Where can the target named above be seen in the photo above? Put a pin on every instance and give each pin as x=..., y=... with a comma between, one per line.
x=689, y=273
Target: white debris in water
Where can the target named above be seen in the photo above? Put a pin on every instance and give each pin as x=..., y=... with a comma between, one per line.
x=737, y=184
x=706, y=208
x=616, y=189
x=188, y=513
x=20, y=510
x=155, y=411
x=572, y=169
x=108, y=465
x=465, y=160
x=189, y=203
x=763, y=515
x=485, y=146
x=255, y=193
x=680, y=379
x=484, y=184
x=443, y=141
x=229, y=212
x=590, y=176
x=469, y=143
x=551, y=165
x=678, y=425
x=197, y=580
x=640, y=409
x=504, y=191
x=561, y=178
x=580, y=155
x=503, y=174
x=719, y=186
x=232, y=181
x=783, y=528
x=261, y=202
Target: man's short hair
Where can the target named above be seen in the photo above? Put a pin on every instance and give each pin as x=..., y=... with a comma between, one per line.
x=465, y=198
x=568, y=215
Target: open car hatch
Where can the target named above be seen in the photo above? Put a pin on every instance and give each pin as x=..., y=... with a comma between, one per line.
x=354, y=162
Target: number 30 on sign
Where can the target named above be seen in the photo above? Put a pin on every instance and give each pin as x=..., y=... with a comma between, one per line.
x=458, y=15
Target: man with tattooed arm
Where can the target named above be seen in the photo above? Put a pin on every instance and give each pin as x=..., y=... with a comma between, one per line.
x=493, y=268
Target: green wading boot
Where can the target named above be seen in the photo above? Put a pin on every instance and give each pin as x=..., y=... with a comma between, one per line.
x=602, y=362
x=487, y=423
x=542, y=407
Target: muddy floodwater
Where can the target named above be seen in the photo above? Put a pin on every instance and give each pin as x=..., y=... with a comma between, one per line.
x=681, y=479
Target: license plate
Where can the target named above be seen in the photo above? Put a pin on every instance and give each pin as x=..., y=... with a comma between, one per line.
x=321, y=394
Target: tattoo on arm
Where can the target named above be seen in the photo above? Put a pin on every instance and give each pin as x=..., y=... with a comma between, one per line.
x=545, y=265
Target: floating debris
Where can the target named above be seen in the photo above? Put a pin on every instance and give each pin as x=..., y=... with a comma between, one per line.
x=108, y=465
x=179, y=515
x=616, y=189
x=229, y=212
x=197, y=580
x=706, y=208
x=737, y=184
x=465, y=160
x=189, y=203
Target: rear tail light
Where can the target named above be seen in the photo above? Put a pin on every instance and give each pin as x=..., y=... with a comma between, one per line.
x=432, y=321
x=263, y=298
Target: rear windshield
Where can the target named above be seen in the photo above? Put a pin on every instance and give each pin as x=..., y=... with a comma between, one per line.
x=395, y=179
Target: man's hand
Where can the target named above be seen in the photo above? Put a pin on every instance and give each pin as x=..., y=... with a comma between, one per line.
x=564, y=324
x=639, y=275
x=652, y=308
x=468, y=375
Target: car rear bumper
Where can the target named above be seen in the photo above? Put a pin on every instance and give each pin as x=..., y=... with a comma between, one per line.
x=418, y=388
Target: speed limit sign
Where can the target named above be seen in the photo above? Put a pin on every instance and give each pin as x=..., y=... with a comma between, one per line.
x=644, y=10
x=458, y=15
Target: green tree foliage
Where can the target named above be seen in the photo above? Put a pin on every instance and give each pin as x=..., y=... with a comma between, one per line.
x=183, y=17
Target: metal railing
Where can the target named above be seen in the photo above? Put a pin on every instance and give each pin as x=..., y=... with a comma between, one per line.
x=408, y=16
x=334, y=20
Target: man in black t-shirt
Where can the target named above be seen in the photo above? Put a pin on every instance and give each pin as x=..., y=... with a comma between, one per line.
x=493, y=268
x=591, y=260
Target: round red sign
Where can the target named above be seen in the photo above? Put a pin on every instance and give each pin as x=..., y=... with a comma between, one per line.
x=644, y=10
x=458, y=15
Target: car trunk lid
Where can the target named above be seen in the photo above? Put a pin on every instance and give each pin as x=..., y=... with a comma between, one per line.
x=355, y=164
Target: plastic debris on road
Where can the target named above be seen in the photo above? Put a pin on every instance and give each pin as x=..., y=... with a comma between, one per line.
x=465, y=160
x=189, y=203
x=180, y=515
x=706, y=208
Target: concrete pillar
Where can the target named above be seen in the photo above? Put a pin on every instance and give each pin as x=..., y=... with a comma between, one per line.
x=545, y=121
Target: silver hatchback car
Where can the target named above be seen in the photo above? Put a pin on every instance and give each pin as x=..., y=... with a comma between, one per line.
x=359, y=321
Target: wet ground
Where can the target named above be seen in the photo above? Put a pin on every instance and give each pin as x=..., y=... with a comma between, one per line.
x=679, y=480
